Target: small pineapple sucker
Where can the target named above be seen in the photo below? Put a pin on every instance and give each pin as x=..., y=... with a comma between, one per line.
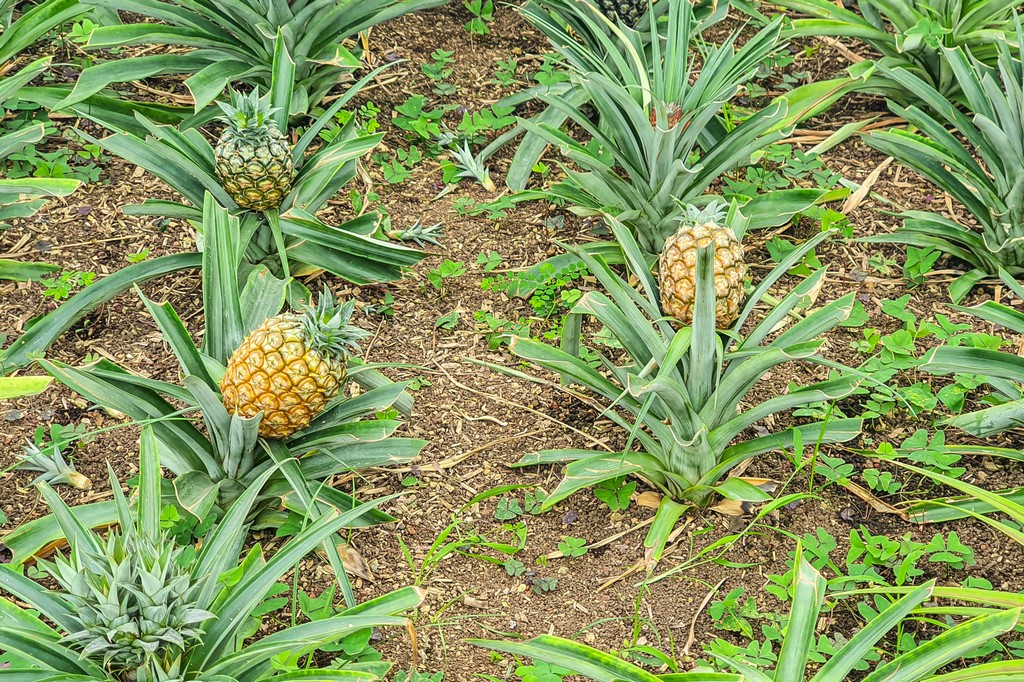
x=291, y=366
x=53, y=468
x=253, y=158
x=677, y=266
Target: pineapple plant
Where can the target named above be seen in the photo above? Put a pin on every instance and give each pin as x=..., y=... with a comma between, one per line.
x=686, y=396
x=291, y=366
x=659, y=138
x=134, y=601
x=136, y=606
x=217, y=461
x=253, y=159
x=677, y=266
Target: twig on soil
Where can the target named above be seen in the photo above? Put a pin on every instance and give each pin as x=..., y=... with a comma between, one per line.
x=842, y=49
x=608, y=540
x=499, y=399
x=692, y=637
x=450, y=462
x=376, y=335
x=378, y=83
x=180, y=99
x=481, y=418
x=858, y=197
x=63, y=247
x=872, y=501
x=544, y=382
x=643, y=563
x=808, y=135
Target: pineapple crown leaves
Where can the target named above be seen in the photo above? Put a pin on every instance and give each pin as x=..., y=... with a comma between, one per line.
x=247, y=112
x=135, y=603
x=717, y=211
x=327, y=329
x=419, y=233
x=134, y=600
x=472, y=166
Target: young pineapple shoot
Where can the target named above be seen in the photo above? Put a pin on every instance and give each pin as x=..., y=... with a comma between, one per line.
x=677, y=265
x=52, y=465
x=291, y=366
x=472, y=167
x=419, y=233
x=253, y=158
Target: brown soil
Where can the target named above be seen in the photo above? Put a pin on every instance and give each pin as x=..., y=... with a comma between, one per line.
x=483, y=420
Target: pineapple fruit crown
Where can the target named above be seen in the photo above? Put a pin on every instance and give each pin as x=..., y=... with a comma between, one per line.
x=716, y=212
x=247, y=112
x=327, y=329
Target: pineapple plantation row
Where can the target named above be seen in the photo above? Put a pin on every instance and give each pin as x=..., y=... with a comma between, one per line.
x=414, y=340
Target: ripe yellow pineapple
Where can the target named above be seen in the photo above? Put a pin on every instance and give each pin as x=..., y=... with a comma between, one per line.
x=677, y=267
x=291, y=366
x=253, y=159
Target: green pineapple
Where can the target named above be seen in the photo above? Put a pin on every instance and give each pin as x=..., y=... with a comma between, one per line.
x=628, y=12
x=253, y=158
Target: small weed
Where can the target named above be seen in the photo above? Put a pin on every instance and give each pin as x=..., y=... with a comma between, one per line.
x=137, y=257
x=483, y=14
x=505, y=73
x=508, y=508
x=414, y=117
x=734, y=613
x=59, y=288
x=572, y=547
x=616, y=492
x=448, y=269
x=489, y=260
x=919, y=263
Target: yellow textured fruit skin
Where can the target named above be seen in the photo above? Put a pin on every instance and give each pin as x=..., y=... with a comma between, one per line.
x=256, y=172
x=677, y=270
x=276, y=373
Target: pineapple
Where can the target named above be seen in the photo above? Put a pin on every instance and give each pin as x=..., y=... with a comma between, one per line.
x=291, y=366
x=671, y=116
x=629, y=12
x=253, y=159
x=677, y=266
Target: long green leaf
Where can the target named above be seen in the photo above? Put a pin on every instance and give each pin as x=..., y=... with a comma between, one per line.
x=927, y=657
x=46, y=330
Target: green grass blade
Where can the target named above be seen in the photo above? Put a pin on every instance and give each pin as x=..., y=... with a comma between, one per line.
x=929, y=656
x=809, y=592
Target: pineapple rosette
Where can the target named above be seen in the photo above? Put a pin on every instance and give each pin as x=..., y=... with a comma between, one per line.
x=291, y=366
